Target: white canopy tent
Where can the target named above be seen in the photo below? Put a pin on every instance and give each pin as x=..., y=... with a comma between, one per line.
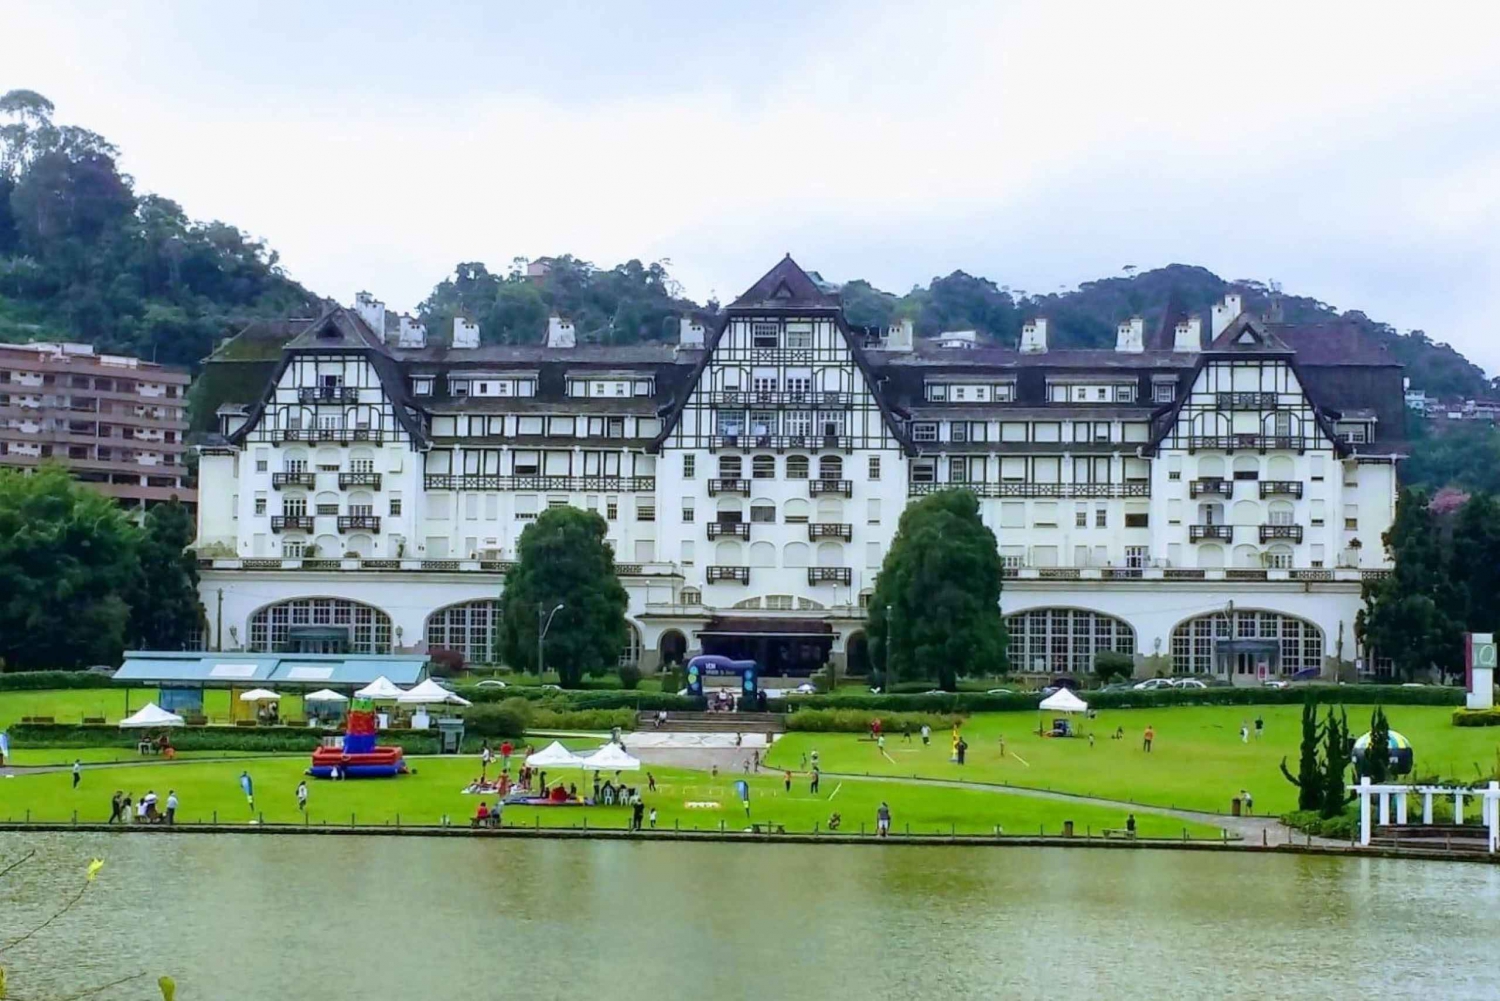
x=151, y=715
x=430, y=693
x=381, y=690
x=325, y=695
x=611, y=758
x=1064, y=701
x=554, y=755
x=259, y=695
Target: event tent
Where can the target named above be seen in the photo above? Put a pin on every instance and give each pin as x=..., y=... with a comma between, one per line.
x=259, y=695
x=611, y=758
x=381, y=690
x=554, y=755
x=1064, y=701
x=151, y=715
x=429, y=693
x=325, y=695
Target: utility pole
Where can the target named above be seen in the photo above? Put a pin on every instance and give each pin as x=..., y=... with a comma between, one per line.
x=219, y=624
x=543, y=623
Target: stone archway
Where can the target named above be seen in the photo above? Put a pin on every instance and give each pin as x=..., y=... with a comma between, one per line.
x=673, y=647
x=857, y=655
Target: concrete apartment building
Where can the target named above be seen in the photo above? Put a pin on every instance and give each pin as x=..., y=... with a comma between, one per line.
x=117, y=423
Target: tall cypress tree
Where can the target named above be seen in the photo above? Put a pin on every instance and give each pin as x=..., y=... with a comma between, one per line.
x=1377, y=760
x=1309, y=779
x=1335, y=762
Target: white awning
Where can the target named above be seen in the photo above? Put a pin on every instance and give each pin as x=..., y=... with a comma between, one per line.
x=259, y=695
x=611, y=758
x=430, y=693
x=1064, y=701
x=151, y=715
x=325, y=695
x=554, y=755
x=381, y=690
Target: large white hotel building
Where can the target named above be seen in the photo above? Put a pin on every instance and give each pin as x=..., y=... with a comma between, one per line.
x=1206, y=496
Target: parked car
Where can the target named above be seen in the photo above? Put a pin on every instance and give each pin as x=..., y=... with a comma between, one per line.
x=1188, y=683
x=491, y=683
x=1000, y=691
x=1151, y=684
x=806, y=688
x=1117, y=687
x=1277, y=683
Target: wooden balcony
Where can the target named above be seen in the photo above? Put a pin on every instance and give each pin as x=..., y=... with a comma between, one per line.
x=341, y=435
x=738, y=575
x=1287, y=533
x=829, y=575
x=359, y=523
x=303, y=479
x=1258, y=442
x=729, y=529
x=1245, y=401
x=1285, y=488
x=844, y=488
x=347, y=480
x=328, y=394
x=830, y=530
x=716, y=487
x=1211, y=533
x=491, y=481
x=291, y=522
x=1223, y=488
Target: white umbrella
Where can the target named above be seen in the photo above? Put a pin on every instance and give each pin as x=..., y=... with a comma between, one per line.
x=259, y=695
x=554, y=755
x=611, y=758
x=151, y=715
x=381, y=690
x=1064, y=701
x=325, y=695
x=429, y=693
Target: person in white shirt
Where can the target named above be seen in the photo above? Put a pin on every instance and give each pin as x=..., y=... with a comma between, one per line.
x=171, y=807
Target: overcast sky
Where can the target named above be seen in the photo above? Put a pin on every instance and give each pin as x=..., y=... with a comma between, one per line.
x=1349, y=151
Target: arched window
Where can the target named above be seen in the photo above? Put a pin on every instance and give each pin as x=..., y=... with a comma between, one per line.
x=328, y=460
x=328, y=548
x=320, y=625
x=1281, y=467
x=1210, y=557
x=1065, y=639
x=1209, y=645
x=730, y=467
x=327, y=503
x=1279, y=513
x=762, y=554
x=1211, y=467
x=796, y=511
x=730, y=509
x=1279, y=557
x=830, y=510
x=763, y=467
x=673, y=647
x=472, y=628
x=1246, y=512
x=729, y=554
x=796, y=467
x=362, y=546
x=830, y=467
x=691, y=596
x=830, y=554
x=361, y=460
x=360, y=502
x=1246, y=558
x=295, y=461
x=794, y=554
x=763, y=511
x=1246, y=467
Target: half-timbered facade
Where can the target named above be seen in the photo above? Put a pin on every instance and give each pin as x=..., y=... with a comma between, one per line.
x=1207, y=500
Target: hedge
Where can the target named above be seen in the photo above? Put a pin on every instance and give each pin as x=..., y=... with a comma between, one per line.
x=966, y=702
x=858, y=721
x=32, y=681
x=1476, y=717
x=573, y=699
x=208, y=738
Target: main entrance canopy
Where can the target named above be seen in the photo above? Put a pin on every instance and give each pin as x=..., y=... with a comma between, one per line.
x=785, y=647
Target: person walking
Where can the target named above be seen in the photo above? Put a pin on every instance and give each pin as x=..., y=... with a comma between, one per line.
x=653, y=818
x=883, y=820
x=247, y=786
x=1244, y=731
x=1260, y=725
x=171, y=807
x=1130, y=826
x=1148, y=737
x=1091, y=741
x=787, y=781
x=650, y=782
x=302, y=797
x=77, y=772
x=816, y=777
x=804, y=762
x=506, y=750
x=114, y=807
x=926, y=734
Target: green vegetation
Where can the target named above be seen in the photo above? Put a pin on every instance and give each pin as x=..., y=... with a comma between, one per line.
x=564, y=563
x=859, y=720
x=936, y=608
x=1476, y=717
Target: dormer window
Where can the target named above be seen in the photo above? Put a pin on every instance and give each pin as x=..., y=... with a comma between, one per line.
x=421, y=386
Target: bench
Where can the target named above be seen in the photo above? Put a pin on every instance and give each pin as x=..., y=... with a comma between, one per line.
x=195, y=719
x=38, y=719
x=768, y=827
x=93, y=720
x=246, y=722
x=1119, y=832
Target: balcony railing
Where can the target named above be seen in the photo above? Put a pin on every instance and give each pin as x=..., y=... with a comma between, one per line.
x=1245, y=401
x=739, y=575
x=830, y=530
x=485, y=481
x=730, y=529
x=1224, y=488
x=303, y=479
x=359, y=480
x=1204, y=533
x=1263, y=442
x=291, y=522
x=829, y=575
x=818, y=487
x=1139, y=488
x=359, y=523
x=342, y=435
x=328, y=394
x=808, y=398
x=716, y=487
x=1289, y=488
x=1291, y=533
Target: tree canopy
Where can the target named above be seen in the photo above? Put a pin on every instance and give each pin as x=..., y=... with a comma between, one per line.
x=935, y=612
x=165, y=610
x=563, y=559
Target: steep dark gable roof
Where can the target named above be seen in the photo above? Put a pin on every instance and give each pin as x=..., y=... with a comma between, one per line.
x=1246, y=333
x=1165, y=336
x=785, y=287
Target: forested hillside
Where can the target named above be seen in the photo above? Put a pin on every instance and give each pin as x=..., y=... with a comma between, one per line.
x=84, y=257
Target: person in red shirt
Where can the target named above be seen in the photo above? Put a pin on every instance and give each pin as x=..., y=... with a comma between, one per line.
x=481, y=815
x=505, y=752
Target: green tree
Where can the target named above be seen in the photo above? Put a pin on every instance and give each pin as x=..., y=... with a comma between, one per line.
x=1409, y=616
x=1113, y=664
x=1336, y=749
x=1310, y=775
x=1376, y=763
x=1476, y=562
x=67, y=554
x=935, y=612
x=564, y=560
x=164, y=607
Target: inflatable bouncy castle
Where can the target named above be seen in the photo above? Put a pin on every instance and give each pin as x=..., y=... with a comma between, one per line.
x=359, y=757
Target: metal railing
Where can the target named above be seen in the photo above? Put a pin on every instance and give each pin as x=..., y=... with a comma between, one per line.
x=291, y=522
x=359, y=523
x=733, y=529
x=1222, y=487
x=1289, y=488
x=830, y=530
x=1292, y=533
x=359, y=480
x=303, y=479
x=740, y=575
x=529, y=481
x=830, y=575
x=1201, y=533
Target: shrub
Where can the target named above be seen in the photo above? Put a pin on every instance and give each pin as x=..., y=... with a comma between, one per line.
x=858, y=721
x=1113, y=664
x=1340, y=827
x=287, y=739
x=1476, y=717
x=493, y=721
x=613, y=698
x=446, y=663
x=583, y=719
x=32, y=681
x=630, y=676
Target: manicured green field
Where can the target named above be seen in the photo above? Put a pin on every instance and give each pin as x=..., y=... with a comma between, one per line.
x=435, y=790
x=72, y=705
x=1197, y=762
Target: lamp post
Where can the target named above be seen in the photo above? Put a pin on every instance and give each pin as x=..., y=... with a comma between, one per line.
x=543, y=623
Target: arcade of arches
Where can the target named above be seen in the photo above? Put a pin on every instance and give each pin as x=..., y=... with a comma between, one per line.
x=1065, y=639
x=471, y=628
x=1258, y=644
x=320, y=625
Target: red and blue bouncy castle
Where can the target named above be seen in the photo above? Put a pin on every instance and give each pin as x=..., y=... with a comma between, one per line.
x=359, y=757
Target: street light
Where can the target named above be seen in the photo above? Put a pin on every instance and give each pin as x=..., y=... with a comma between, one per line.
x=543, y=623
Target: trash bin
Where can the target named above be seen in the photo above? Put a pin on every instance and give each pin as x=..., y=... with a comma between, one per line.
x=1234, y=807
x=1067, y=828
x=450, y=734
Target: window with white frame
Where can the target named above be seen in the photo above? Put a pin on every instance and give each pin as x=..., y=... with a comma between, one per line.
x=924, y=432
x=799, y=336
x=765, y=335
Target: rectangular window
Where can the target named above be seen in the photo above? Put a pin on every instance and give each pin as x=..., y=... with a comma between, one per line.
x=764, y=335
x=1139, y=519
x=1316, y=468
x=1124, y=394
x=261, y=462
x=689, y=466
x=1163, y=392
x=872, y=511
x=526, y=507
x=798, y=337
x=874, y=467
x=1045, y=515
x=234, y=506
x=395, y=505
x=611, y=508
x=471, y=507
x=1101, y=517
x=1005, y=392
x=688, y=511
x=645, y=509
x=1081, y=517
x=421, y=386
x=1137, y=557
x=763, y=514
x=872, y=555
x=937, y=392
x=260, y=503
x=1351, y=517
x=958, y=431
x=924, y=432
x=687, y=552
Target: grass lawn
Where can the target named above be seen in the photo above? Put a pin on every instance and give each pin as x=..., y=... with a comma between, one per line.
x=73, y=704
x=1198, y=761
x=435, y=790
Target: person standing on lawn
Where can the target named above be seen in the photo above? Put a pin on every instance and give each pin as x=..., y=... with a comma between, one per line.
x=171, y=807
x=77, y=772
x=926, y=734
x=1148, y=737
x=1260, y=725
x=302, y=797
x=247, y=786
x=813, y=787
x=114, y=807
x=883, y=820
x=787, y=781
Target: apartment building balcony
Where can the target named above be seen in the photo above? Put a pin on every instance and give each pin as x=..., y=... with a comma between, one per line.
x=364, y=479
x=738, y=575
x=842, y=488
x=729, y=529
x=1284, y=488
x=802, y=398
x=341, y=435
x=527, y=481
x=291, y=522
x=328, y=394
x=1245, y=401
x=1288, y=533
x=829, y=530
x=1259, y=442
x=1219, y=487
x=830, y=575
x=359, y=523
x=303, y=479
x=716, y=487
x=1210, y=533
x=1021, y=489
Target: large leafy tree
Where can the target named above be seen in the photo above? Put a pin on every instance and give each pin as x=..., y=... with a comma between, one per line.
x=164, y=607
x=67, y=554
x=564, y=559
x=1476, y=562
x=1411, y=616
x=936, y=608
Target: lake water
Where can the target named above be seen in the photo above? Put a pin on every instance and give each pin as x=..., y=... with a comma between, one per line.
x=255, y=917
